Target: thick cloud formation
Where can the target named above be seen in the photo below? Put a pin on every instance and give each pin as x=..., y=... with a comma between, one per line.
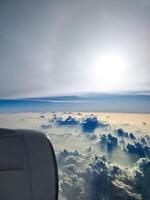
x=98, y=179
x=91, y=123
x=68, y=121
x=132, y=136
x=109, y=141
x=122, y=174
x=139, y=146
x=142, y=178
x=88, y=124
x=138, y=149
x=122, y=133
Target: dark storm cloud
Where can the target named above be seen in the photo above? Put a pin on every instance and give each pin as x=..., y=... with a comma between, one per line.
x=46, y=47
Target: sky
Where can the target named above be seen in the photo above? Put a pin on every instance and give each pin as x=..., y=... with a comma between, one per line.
x=56, y=47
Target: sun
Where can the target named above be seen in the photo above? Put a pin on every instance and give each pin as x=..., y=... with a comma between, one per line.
x=109, y=71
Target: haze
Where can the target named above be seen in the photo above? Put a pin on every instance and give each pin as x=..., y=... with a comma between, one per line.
x=60, y=47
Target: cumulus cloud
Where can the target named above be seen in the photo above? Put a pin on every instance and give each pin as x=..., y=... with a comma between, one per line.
x=90, y=123
x=135, y=148
x=138, y=149
x=122, y=133
x=65, y=156
x=132, y=136
x=67, y=121
x=92, y=136
x=109, y=141
x=45, y=126
x=94, y=177
x=142, y=177
x=99, y=179
x=71, y=184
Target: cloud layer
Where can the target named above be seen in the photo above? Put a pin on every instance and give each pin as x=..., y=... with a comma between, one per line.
x=92, y=175
x=101, y=179
x=53, y=47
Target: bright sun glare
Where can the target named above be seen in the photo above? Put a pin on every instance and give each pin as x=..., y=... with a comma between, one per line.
x=109, y=71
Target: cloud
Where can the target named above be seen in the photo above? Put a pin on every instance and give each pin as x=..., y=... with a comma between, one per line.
x=98, y=179
x=142, y=177
x=121, y=133
x=140, y=147
x=132, y=136
x=103, y=139
x=71, y=184
x=45, y=126
x=136, y=148
x=93, y=177
x=147, y=150
x=103, y=177
x=90, y=123
x=92, y=136
x=62, y=157
x=109, y=141
x=68, y=121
